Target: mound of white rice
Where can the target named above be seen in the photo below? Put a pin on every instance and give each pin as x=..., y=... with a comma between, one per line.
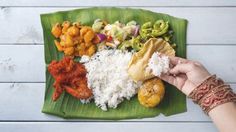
x=108, y=78
x=158, y=64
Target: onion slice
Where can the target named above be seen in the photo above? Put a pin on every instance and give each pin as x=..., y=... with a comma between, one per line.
x=101, y=37
x=136, y=31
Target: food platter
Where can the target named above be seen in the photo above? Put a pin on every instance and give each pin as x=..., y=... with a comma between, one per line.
x=69, y=107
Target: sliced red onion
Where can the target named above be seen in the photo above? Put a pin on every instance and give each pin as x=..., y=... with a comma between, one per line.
x=102, y=37
x=136, y=31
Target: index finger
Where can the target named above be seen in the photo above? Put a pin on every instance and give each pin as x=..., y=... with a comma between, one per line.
x=176, y=60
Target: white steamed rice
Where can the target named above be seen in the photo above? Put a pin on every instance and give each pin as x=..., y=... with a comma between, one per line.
x=158, y=64
x=108, y=78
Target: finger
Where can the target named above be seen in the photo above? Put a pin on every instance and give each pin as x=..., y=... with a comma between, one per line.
x=171, y=80
x=167, y=78
x=177, y=60
x=180, y=81
x=180, y=68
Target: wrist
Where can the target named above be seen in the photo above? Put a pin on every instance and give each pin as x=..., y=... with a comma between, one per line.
x=211, y=93
x=220, y=95
x=197, y=84
x=204, y=88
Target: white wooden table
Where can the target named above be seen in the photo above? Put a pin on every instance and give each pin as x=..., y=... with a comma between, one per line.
x=211, y=40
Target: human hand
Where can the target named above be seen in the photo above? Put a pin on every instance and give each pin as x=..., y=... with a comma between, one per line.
x=185, y=74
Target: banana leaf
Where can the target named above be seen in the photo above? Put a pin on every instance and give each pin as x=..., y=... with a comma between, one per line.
x=68, y=107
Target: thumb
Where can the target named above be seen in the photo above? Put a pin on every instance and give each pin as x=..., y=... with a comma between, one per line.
x=180, y=68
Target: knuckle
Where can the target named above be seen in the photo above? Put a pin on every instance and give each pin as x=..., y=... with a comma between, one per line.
x=197, y=63
x=192, y=65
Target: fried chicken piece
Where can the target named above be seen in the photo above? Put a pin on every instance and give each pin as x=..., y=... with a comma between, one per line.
x=70, y=77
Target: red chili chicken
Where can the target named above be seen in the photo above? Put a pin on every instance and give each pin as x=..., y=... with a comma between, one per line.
x=70, y=77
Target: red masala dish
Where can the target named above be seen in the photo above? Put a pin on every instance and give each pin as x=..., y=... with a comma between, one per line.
x=70, y=77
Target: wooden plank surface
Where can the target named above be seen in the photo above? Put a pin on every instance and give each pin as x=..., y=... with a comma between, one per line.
x=22, y=63
x=158, y=3
x=105, y=127
x=211, y=40
x=210, y=25
x=25, y=63
x=23, y=102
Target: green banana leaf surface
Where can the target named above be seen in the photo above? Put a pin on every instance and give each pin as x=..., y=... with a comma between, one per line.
x=66, y=106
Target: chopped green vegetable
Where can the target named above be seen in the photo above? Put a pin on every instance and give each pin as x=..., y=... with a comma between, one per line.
x=149, y=30
x=130, y=35
x=125, y=45
x=98, y=25
x=160, y=27
x=131, y=23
